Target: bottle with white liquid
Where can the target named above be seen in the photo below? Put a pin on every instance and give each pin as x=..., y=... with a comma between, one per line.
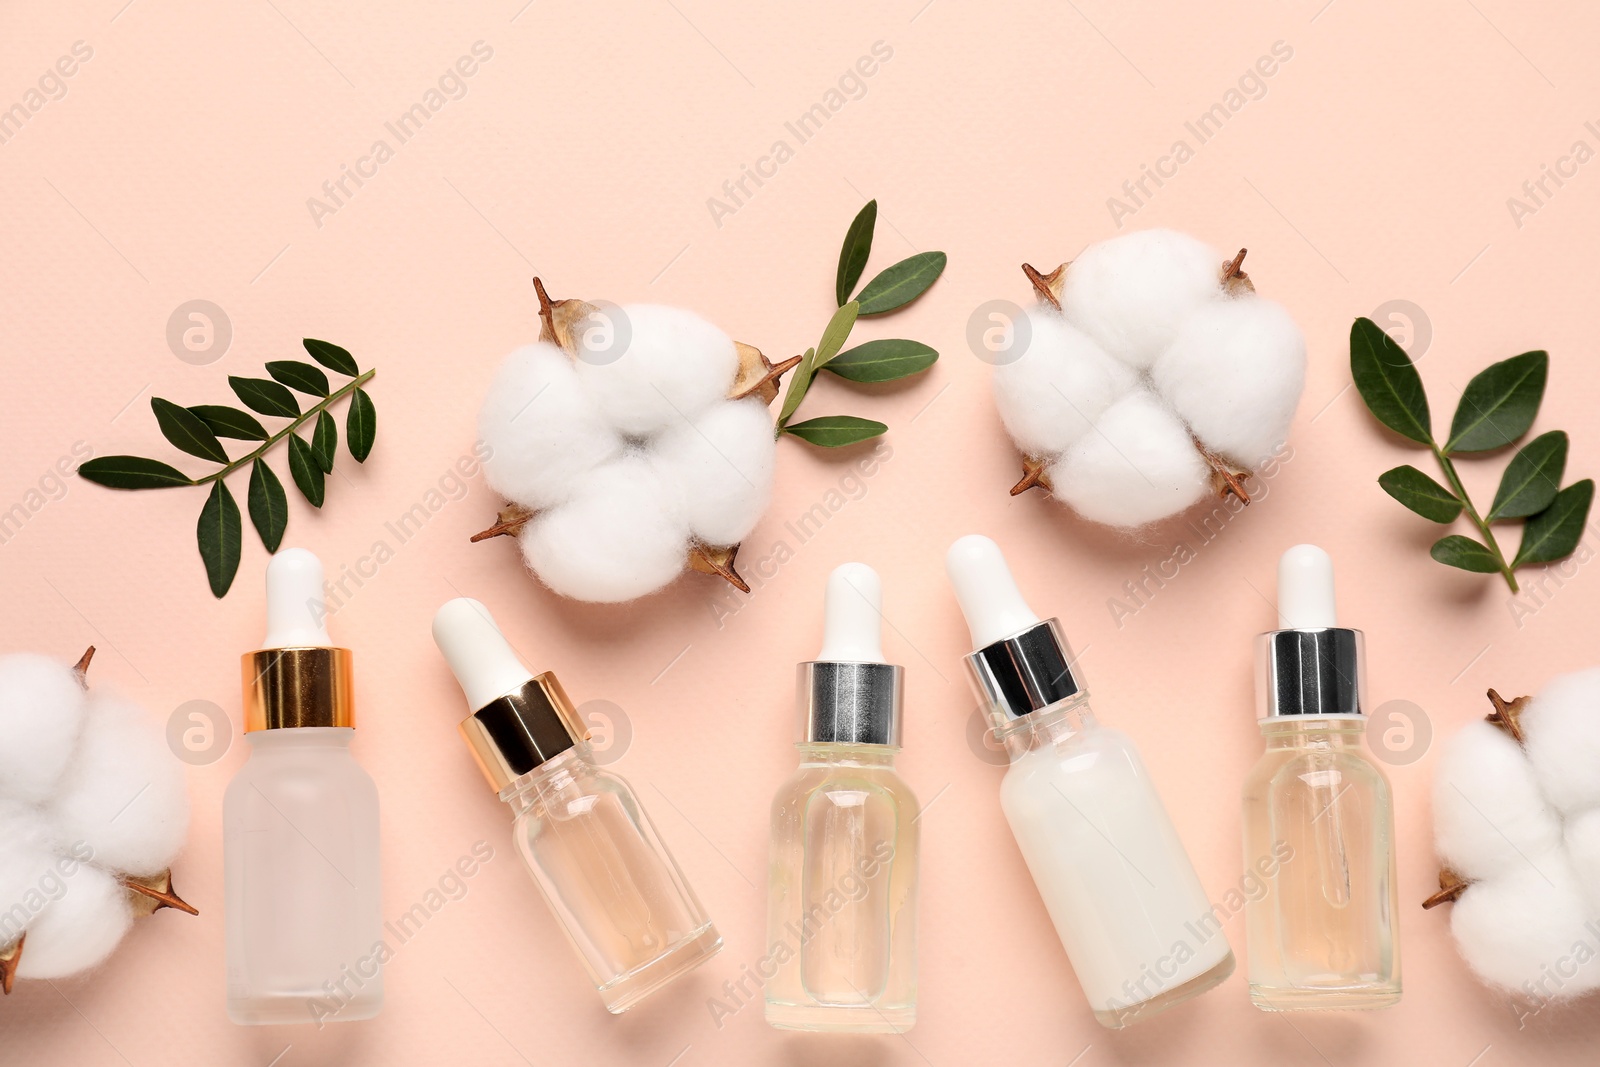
x=1323, y=936
x=626, y=908
x=842, y=883
x=1118, y=885
x=300, y=825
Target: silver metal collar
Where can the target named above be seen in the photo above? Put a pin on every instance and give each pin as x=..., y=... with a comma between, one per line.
x=1024, y=673
x=850, y=703
x=1310, y=672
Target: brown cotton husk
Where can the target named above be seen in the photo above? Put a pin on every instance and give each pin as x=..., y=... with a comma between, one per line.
x=1507, y=716
x=757, y=376
x=1226, y=476
x=146, y=895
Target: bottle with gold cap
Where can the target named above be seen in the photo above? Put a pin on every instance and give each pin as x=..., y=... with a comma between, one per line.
x=300, y=826
x=615, y=889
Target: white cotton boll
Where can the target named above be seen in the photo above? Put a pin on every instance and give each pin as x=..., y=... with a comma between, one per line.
x=79, y=929
x=1130, y=293
x=25, y=863
x=123, y=795
x=1488, y=810
x=1582, y=836
x=673, y=365
x=1137, y=465
x=1521, y=926
x=1234, y=372
x=1050, y=395
x=624, y=535
x=41, y=711
x=543, y=431
x=723, y=463
x=1561, y=728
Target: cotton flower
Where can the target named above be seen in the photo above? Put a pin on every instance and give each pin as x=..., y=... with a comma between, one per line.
x=91, y=805
x=1517, y=826
x=630, y=451
x=1152, y=372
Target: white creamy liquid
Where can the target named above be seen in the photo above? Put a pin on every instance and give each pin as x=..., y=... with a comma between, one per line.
x=1119, y=887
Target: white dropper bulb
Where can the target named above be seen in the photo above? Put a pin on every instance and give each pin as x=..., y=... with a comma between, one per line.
x=295, y=607
x=986, y=591
x=1305, y=589
x=478, y=653
x=852, y=614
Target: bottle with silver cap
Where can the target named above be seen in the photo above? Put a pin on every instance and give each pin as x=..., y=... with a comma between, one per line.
x=1318, y=813
x=842, y=895
x=300, y=825
x=1119, y=887
x=596, y=857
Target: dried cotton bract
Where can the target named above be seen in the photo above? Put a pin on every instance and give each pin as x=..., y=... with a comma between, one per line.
x=1153, y=372
x=1516, y=804
x=631, y=442
x=93, y=808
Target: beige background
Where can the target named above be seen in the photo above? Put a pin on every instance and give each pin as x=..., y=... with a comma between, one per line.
x=1374, y=167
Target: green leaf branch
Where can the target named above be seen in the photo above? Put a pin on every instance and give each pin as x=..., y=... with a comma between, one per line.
x=1496, y=409
x=199, y=430
x=882, y=360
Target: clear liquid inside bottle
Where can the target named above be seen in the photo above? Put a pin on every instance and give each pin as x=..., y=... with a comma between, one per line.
x=1318, y=814
x=619, y=896
x=841, y=925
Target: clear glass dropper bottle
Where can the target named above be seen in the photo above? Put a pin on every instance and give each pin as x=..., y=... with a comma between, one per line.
x=596, y=857
x=842, y=886
x=1115, y=878
x=1318, y=813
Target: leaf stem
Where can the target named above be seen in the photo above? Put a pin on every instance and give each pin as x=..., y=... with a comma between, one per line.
x=1472, y=513
x=306, y=416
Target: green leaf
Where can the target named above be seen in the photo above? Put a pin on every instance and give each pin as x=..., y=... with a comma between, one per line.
x=1465, y=553
x=187, y=431
x=1555, y=531
x=835, y=431
x=266, y=396
x=902, y=283
x=1421, y=494
x=269, y=505
x=1499, y=404
x=325, y=441
x=221, y=536
x=1388, y=382
x=836, y=334
x=882, y=361
x=853, y=256
x=305, y=471
x=1531, y=478
x=301, y=376
x=230, y=422
x=132, y=472
x=332, y=356
x=799, y=382
x=361, y=425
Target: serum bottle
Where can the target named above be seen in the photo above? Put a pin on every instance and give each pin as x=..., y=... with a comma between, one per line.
x=593, y=852
x=1118, y=885
x=300, y=825
x=842, y=885
x=1323, y=937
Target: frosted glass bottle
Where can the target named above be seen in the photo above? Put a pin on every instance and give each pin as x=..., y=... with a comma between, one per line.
x=619, y=896
x=1318, y=814
x=842, y=881
x=1119, y=887
x=300, y=844
x=300, y=826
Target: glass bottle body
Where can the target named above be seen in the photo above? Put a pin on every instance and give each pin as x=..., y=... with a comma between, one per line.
x=1323, y=934
x=842, y=894
x=301, y=881
x=619, y=896
x=1116, y=880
